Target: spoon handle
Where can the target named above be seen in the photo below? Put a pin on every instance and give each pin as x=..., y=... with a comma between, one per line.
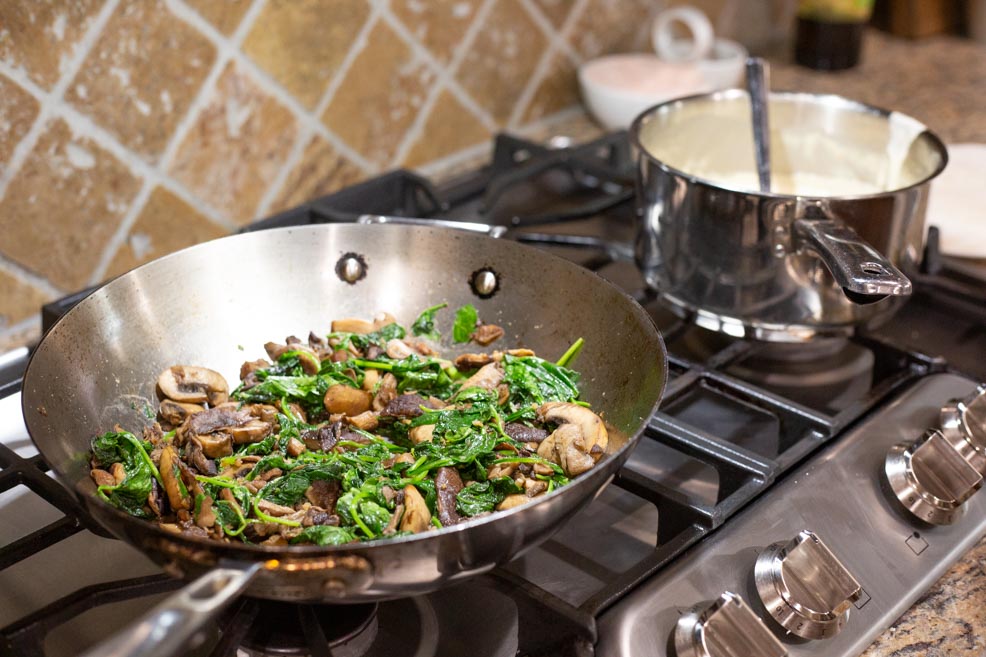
x=757, y=84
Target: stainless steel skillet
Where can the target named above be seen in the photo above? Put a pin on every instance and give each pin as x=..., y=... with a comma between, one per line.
x=97, y=366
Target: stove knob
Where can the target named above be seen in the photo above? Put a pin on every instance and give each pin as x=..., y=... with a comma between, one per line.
x=726, y=628
x=931, y=478
x=805, y=587
x=963, y=423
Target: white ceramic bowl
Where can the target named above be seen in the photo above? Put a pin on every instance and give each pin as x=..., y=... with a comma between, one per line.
x=616, y=88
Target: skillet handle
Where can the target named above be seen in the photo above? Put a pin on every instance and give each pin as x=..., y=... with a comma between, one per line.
x=468, y=226
x=169, y=628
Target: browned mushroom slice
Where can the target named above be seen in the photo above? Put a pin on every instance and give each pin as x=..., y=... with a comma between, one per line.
x=251, y=366
x=422, y=434
x=307, y=357
x=340, y=398
x=534, y=487
x=195, y=455
x=383, y=319
x=472, y=361
x=501, y=470
x=523, y=433
x=176, y=412
x=321, y=439
x=367, y=421
x=323, y=494
x=349, y=325
x=178, y=495
x=370, y=379
x=488, y=377
x=216, y=445
x=593, y=430
x=272, y=509
x=206, y=517
x=295, y=447
x=196, y=385
x=511, y=501
x=448, y=484
x=566, y=447
x=416, y=518
x=405, y=406
x=102, y=477
x=398, y=349
x=252, y=432
x=486, y=334
x=386, y=392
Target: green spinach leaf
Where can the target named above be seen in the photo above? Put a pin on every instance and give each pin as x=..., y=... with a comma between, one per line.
x=325, y=535
x=465, y=323
x=424, y=325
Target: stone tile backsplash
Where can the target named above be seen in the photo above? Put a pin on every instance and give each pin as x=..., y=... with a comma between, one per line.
x=132, y=128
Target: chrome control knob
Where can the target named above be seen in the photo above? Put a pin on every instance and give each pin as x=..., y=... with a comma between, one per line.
x=726, y=628
x=805, y=587
x=931, y=478
x=963, y=423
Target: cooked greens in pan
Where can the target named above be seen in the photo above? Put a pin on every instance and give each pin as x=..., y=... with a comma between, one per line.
x=362, y=434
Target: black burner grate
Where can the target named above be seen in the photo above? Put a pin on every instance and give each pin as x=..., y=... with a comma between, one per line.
x=743, y=436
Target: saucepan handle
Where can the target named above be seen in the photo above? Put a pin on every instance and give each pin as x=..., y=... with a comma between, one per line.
x=170, y=627
x=865, y=274
x=468, y=226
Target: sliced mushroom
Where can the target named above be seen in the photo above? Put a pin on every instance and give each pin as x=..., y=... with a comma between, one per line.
x=593, y=430
x=295, y=447
x=102, y=477
x=566, y=447
x=511, y=501
x=534, y=487
x=405, y=406
x=422, y=434
x=397, y=349
x=472, y=361
x=272, y=509
x=502, y=394
x=307, y=357
x=263, y=412
x=177, y=412
x=156, y=500
x=251, y=366
x=395, y=518
x=350, y=325
x=323, y=494
x=523, y=433
x=197, y=385
x=195, y=455
x=322, y=439
x=370, y=379
x=416, y=518
x=206, y=517
x=386, y=392
x=171, y=476
x=501, y=470
x=448, y=484
x=252, y=432
x=367, y=421
x=488, y=377
x=383, y=319
x=119, y=473
x=486, y=334
x=341, y=398
x=216, y=445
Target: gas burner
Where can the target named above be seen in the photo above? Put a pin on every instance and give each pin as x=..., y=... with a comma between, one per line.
x=284, y=628
x=827, y=375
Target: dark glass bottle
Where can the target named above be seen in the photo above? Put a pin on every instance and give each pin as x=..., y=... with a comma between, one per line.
x=828, y=46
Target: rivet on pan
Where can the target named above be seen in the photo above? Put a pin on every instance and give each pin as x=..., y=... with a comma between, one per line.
x=484, y=283
x=351, y=268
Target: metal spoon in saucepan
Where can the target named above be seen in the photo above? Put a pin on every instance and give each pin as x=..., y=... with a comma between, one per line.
x=757, y=85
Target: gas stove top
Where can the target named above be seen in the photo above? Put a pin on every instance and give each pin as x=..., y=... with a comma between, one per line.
x=761, y=479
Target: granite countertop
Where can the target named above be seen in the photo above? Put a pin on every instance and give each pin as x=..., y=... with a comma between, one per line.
x=942, y=82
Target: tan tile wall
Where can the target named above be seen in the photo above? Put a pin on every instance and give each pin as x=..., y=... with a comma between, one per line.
x=131, y=128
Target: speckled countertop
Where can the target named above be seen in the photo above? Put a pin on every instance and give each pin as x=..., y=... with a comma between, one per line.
x=942, y=82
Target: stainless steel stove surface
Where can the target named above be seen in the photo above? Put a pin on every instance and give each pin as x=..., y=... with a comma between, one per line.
x=762, y=476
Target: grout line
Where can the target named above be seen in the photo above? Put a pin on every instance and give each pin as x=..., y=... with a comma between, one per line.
x=50, y=100
x=185, y=125
x=459, y=157
x=23, y=273
x=446, y=75
x=416, y=129
x=306, y=132
x=29, y=327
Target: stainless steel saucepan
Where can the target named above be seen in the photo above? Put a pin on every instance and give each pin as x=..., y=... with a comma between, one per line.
x=826, y=250
x=97, y=366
